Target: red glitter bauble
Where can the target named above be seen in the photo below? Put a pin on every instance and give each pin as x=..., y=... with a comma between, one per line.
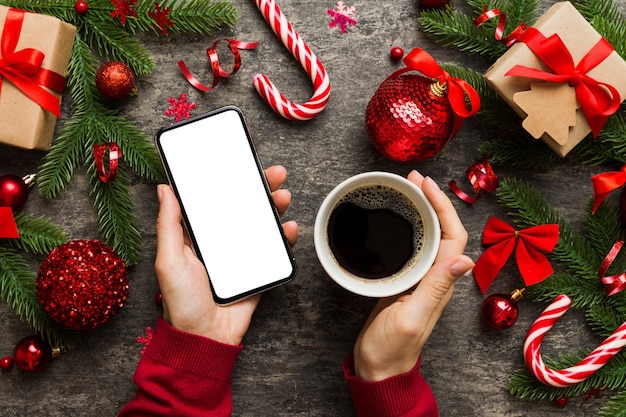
x=409, y=117
x=81, y=7
x=436, y=4
x=32, y=354
x=499, y=311
x=82, y=284
x=13, y=191
x=115, y=79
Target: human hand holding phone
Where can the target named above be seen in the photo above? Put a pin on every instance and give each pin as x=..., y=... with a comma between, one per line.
x=188, y=303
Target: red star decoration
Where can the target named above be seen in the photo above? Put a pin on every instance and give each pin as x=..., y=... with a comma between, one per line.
x=161, y=18
x=179, y=109
x=123, y=9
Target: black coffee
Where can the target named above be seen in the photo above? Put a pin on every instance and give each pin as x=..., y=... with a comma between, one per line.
x=374, y=232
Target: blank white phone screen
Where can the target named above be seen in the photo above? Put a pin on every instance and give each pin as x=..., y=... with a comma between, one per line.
x=228, y=211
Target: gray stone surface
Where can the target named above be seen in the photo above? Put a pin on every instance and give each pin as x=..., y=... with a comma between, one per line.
x=302, y=331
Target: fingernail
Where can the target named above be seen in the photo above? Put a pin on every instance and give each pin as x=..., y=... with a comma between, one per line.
x=462, y=267
x=432, y=181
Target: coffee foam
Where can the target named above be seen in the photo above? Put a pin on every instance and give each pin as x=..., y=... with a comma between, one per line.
x=382, y=197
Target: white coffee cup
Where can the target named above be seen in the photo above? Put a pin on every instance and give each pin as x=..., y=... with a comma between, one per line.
x=413, y=271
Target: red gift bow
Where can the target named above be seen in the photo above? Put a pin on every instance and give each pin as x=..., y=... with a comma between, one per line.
x=458, y=89
x=8, y=228
x=614, y=283
x=597, y=104
x=23, y=68
x=532, y=264
x=603, y=184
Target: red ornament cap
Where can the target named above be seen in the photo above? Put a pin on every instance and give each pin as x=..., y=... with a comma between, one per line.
x=82, y=284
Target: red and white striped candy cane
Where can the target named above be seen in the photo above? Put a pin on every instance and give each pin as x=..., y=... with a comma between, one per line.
x=301, y=51
x=583, y=369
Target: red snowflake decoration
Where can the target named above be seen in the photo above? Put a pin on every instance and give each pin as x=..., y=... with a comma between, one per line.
x=145, y=340
x=161, y=18
x=342, y=16
x=123, y=9
x=179, y=109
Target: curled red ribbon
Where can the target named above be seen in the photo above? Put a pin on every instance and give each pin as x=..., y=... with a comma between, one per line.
x=481, y=177
x=614, y=283
x=218, y=72
x=8, y=228
x=458, y=89
x=23, y=68
x=603, y=184
x=115, y=152
x=512, y=37
x=596, y=102
x=533, y=265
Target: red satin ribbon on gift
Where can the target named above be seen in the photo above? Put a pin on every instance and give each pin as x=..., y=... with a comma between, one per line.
x=458, y=89
x=603, y=184
x=532, y=264
x=8, y=228
x=218, y=72
x=23, y=68
x=115, y=152
x=596, y=102
x=614, y=283
x=512, y=37
x=480, y=174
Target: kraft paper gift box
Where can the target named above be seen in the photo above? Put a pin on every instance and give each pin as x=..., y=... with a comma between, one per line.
x=23, y=121
x=556, y=114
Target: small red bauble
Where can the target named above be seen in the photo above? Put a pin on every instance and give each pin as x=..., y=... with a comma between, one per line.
x=409, y=117
x=158, y=299
x=396, y=53
x=81, y=7
x=14, y=190
x=436, y=4
x=6, y=363
x=32, y=354
x=115, y=79
x=82, y=284
x=561, y=402
x=499, y=311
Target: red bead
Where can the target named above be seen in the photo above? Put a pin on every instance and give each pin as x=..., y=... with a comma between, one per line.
x=32, y=354
x=81, y=7
x=6, y=363
x=561, y=402
x=499, y=311
x=396, y=53
x=158, y=299
x=13, y=191
x=436, y=4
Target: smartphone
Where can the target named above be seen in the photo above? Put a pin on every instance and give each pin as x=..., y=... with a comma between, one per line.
x=213, y=167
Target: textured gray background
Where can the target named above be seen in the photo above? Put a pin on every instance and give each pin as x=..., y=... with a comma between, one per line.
x=302, y=331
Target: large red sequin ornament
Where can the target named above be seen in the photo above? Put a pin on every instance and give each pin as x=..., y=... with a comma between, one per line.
x=409, y=117
x=32, y=354
x=82, y=284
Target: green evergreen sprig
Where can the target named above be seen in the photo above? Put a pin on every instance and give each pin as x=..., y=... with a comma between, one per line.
x=579, y=255
x=93, y=120
x=511, y=145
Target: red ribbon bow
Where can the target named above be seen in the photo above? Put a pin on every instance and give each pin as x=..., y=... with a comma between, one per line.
x=458, y=89
x=8, y=228
x=23, y=68
x=532, y=264
x=614, y=283
x=597, y=104
x=603, y=184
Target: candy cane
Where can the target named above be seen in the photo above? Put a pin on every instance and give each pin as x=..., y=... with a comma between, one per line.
x=583, y=369
x=300, y=50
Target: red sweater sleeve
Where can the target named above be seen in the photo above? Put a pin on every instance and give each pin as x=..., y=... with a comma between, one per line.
x=182, y=374
x=404, y=395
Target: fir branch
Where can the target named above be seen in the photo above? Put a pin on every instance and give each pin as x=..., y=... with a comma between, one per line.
x=37, y=234
x=615, y=406
x=604, y=319
x=607, y=19
x=519, y=152
x=61, y=9
x=119, y=225
x=516, y=12
x=17, y=288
